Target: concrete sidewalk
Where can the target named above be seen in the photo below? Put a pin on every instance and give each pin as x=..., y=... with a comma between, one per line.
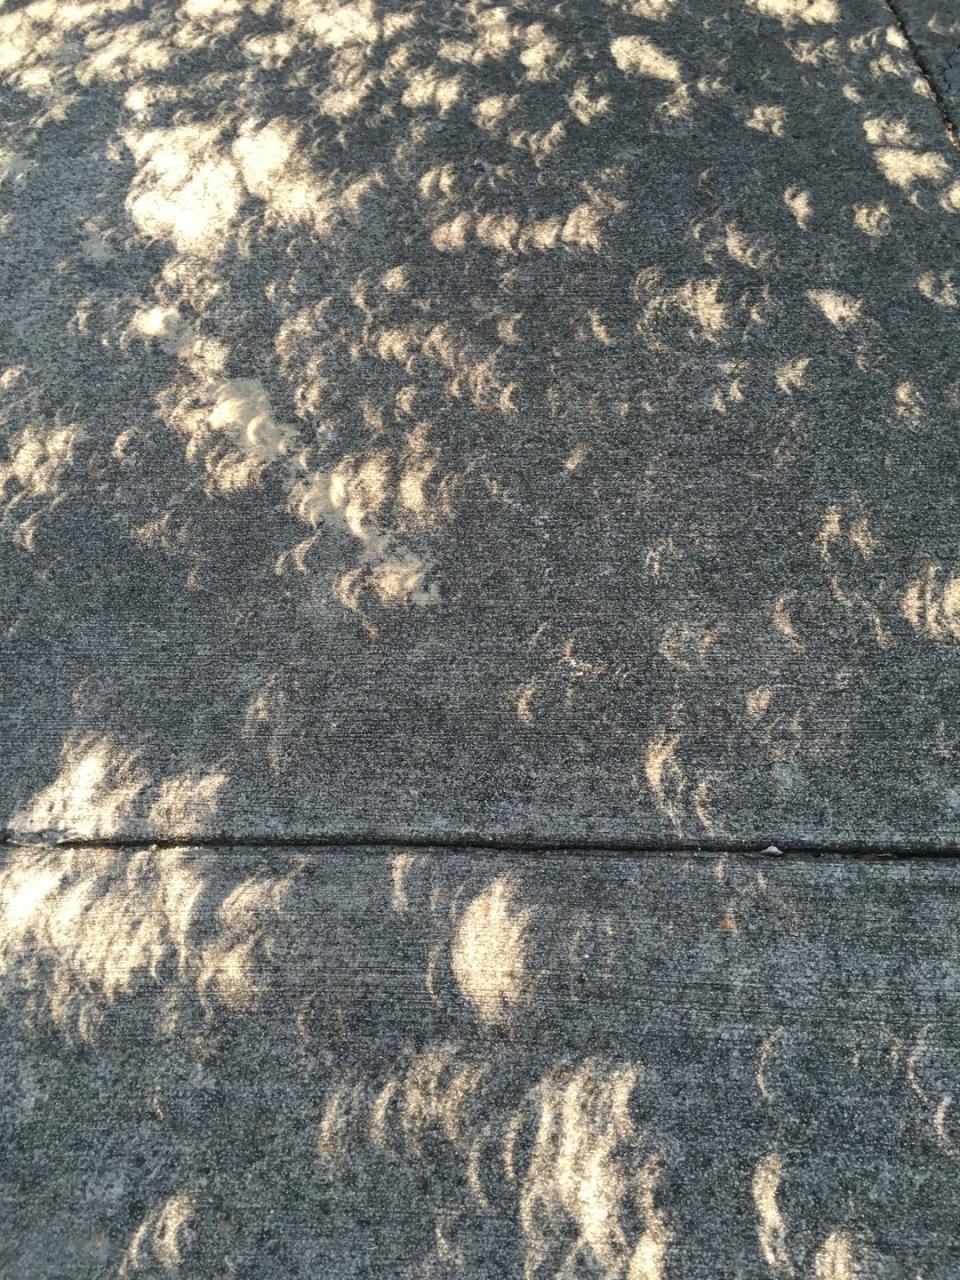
x=507, y=428
x=473, y=423
x=358, y=1063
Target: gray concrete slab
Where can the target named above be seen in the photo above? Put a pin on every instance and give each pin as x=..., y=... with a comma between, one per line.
x=934, y=28
x=414, y=1063
x=528, y=422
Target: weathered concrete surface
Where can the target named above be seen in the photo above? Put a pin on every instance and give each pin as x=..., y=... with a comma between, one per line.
x=456, y=421
x=532, y=421
x=403, y=1063
x=935, y=29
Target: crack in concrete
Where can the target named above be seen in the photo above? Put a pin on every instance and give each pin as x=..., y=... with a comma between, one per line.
x=380, y=843
x=943, y=105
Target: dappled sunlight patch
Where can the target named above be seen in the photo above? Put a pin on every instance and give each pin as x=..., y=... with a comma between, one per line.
x=831, y=531
x=99, y=242
x=791, y=12
x=429, y=90
x=160, y=1241
x=771, y=1225
x=191, y=183
x=451, y=236
x=728, y=238
x=821, y=53
x=799, y=203
x=229, y=422
x=350, y=83
x=524, y=703
x=576, y=458
x=581, y=229
x=497, y=230
x=908, y=402
x=584, y=106
x=782, y=620
x=904, y=167
x=84, y=928
x=240, y=410
x=639, y=56
x=334, y=26
x=44, y=43
x=433, y=1093
x=396, y=576
x=915, y=1060
x=233, y=965
x=436, y=1092
x=273, y=168
x=203, y=21
x=648, y=1255
x=230, y=426
x=99, y=781
x=173, y=334
x=840, y=1256
x=564, y=1145
x=265, y=720
x=490, y=113
x=118, y=55
x=569, y=676
x=889, y=131
x=489, y=955
x=872, y=219
x=38, y=459
x=349, y=501
x=543, y=56
x=583, y=226
x=198, y=10
x=103, y=783
x=765, y=1056
x=182, y=798
x=767, y=118
x=665, y=776
x=652, y=10
x=842, y=310
x=942, y=1118
x=490, y=36
x=696, y=301
x=757, y=701
x=837, y=1259
x=931, y=603
x=185, y=189
x=939, y=287
x=163, y=533
x=585, y=1177
x=791, y=375
x=403, y=865
x=659, y=556
x=840, y=532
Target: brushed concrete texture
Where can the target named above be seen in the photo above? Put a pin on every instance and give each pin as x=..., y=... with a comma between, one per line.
x=934, y=27
x=456, y=421
x=409, y=1063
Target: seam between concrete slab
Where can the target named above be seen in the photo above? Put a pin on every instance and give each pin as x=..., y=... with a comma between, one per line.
x=950, y=123
x=383, y=843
